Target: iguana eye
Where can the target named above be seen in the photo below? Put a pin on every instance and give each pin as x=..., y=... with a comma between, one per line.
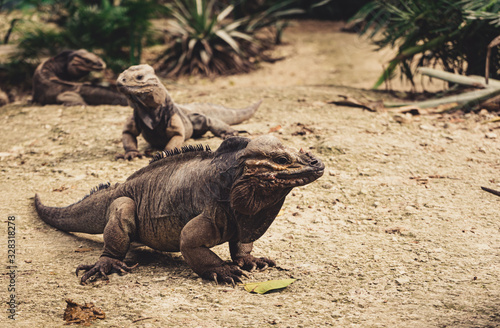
x=282, y=160
x=139, y=77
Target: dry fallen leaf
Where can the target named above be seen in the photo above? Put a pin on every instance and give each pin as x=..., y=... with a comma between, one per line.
x=60, y=189
x=83, y=250
x=275, y=129
x=266, y=286
x=82, y=314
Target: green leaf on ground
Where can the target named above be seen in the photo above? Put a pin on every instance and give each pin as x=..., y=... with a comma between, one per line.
x=266, y=286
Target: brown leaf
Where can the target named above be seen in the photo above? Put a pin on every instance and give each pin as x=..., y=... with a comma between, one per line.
x=275, y=128
x=83, y=250
x=395, y=230
x=60, y=189
x=82, y=314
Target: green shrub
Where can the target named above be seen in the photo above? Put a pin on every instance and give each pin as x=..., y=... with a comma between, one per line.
x=204, y=40
x=116, y=33
x=454, y=34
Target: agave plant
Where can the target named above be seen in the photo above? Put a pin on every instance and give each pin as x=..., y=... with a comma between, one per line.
x=205, y=41
x=451, y=33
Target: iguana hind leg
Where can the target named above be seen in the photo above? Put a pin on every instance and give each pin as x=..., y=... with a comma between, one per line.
x=119, y=232
x=202, y=123
x=197, y=236
x=70, y=98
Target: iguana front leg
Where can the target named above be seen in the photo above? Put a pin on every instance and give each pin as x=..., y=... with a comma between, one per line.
x=129, y=140
x=240, y=253
x=197, y=236
x=176, y=133
x=118, y=233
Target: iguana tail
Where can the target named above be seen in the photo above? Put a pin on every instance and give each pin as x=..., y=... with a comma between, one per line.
x=87, y=215
x=229, y=116
x=97, y=95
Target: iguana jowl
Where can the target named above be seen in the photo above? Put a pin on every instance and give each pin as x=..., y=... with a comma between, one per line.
x=190, y=202
x=164, y=124
x=54, y=81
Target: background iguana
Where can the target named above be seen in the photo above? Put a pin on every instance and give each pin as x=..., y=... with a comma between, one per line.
x=54, y=81
x=164, y=124
x=192, y=200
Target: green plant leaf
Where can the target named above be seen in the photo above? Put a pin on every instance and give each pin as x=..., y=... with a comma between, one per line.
x=266, y=286
x=228, y=39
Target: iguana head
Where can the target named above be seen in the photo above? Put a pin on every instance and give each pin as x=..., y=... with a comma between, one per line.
x=140, y=84
x=269, y=170
x=81, y=62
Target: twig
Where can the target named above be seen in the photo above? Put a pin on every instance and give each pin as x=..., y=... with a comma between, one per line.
x=141, y=319
x=494, y=192
x=494, y=43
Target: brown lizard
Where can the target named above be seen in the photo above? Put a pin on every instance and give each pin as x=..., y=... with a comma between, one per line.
x=54, y=81
x=164, y=124
x=189, y=201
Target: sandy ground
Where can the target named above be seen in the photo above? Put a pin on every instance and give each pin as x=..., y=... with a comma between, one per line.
x=397, y=233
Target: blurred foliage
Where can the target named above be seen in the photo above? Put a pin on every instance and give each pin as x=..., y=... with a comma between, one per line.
x=315, y=9
x=451, y=33
x=114, y=32
x=203, y=39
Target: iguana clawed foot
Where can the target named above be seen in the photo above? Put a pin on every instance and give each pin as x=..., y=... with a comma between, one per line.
x=228, y=134
x=102, y=267
x=129, y=155
x=250, y=263
x=226, y=273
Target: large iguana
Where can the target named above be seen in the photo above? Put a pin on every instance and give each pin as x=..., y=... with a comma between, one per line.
x=190, y=201
x=54, y=81
x=164, y=124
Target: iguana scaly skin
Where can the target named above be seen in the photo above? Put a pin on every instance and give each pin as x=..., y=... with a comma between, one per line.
x=164, y=124
x=190, y=201
x=54, y=81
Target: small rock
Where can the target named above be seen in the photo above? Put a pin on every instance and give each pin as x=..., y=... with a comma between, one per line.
x=402, y=280
x=426, y=127
x=331, y=173
x=403, y=119
x=327, y=185
x=490, y=135
x=410, y=209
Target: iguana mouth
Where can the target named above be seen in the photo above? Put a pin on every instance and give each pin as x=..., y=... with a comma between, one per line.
x=292, y=179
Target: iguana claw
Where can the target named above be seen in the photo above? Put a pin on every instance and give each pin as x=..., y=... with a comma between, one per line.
x=250, y=263
x=229, y=274
x=102, y=267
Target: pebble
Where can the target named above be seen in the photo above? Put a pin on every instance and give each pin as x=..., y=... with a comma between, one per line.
x=402, y=280
x=490, y=135
x=327, y=185
x=426, y=127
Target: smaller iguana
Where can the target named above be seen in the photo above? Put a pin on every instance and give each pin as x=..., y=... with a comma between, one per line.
x=54, y=81
x=191, y=201
x=164, y=124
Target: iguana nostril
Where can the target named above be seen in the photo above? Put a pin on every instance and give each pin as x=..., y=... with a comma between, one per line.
x=314, y=162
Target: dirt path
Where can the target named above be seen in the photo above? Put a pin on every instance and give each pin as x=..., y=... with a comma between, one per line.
x=396, y=234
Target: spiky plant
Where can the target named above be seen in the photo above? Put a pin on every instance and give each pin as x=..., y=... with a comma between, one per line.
x=451, y=33
x=205, y=41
